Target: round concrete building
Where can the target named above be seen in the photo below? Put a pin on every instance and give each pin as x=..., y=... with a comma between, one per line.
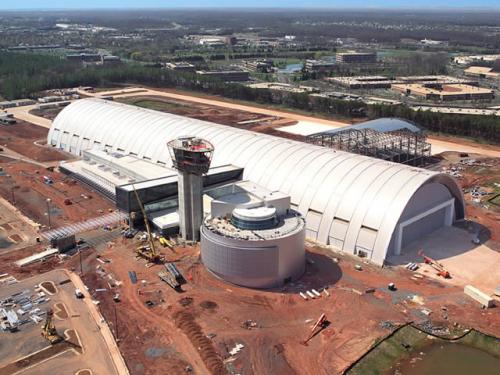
x=252, y=238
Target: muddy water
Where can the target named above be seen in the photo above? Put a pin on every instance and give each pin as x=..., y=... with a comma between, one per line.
x=449, y=358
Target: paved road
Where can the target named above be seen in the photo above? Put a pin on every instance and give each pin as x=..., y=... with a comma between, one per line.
x=22, y=113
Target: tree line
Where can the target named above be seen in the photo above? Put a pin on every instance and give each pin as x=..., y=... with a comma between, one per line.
x=25, y=75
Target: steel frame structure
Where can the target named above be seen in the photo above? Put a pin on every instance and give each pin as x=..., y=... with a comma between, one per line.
x=401, y=146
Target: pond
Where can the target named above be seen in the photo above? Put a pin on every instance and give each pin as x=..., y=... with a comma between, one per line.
x=448, y=358
x=291, y=68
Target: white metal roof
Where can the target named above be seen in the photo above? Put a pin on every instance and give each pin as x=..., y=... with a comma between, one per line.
x=325, y=185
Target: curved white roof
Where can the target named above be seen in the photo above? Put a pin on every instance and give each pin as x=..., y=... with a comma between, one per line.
x=338, y=193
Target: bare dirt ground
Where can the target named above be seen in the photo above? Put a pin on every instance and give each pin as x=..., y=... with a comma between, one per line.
x=28, y=351
x=485, y=174
x=199, y=326
x=226, y=116
x=49, y=114
x=26, y=182
x=21, y=138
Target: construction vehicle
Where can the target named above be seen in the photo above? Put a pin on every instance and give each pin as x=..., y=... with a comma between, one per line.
x=147, y=252
x=320, y=325
x=167, y=277
x=49, y=331
x=170, y=267
x=166, y=243
x=441, y=271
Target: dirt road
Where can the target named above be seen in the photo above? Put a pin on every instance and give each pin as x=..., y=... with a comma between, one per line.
x=438, y=146
x=23, y=113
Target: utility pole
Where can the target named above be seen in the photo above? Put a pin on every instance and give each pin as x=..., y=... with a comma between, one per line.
x=116, y=324
x=48, y=200
x=81, y=267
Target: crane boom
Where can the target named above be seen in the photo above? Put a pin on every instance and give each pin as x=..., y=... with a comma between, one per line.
x=146, y=223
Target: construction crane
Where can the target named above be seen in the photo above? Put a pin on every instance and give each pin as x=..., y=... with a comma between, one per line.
x=441, y=271
x=149, y=253
x=321, y=323
x=49, y=331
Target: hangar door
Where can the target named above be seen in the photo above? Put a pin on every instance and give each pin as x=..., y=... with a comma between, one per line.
x=430, y=208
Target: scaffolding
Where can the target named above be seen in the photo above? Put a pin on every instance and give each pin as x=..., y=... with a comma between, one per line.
x=400, y=146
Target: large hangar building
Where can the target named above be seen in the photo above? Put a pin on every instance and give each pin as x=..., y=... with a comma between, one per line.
x=355, y=203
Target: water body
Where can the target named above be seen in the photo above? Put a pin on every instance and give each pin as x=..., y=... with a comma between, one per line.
x=449, y=358
x=291, y=68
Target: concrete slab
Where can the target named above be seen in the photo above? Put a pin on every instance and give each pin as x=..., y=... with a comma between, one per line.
x=309, y=127
x=466, y=262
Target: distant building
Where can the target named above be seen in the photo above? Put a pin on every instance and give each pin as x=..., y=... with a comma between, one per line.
x=225, y=75
x=212, y=42
x=466, y=60
x=430, y=42
x=445, y=92
x=180, y=66
x=381, y=82
x=16, y=103
x=318, y=66
x=276, y=86
x=356, y=57
x=84, y=57
x=261, y=65
x=481, y=72
x=109, y=60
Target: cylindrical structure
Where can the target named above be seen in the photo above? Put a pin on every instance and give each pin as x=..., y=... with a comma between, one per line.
x=264, y=258
x=191, y=156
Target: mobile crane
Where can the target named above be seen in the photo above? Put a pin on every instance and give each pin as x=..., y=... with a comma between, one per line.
x=49, y=331
x=147, y=252
x=441, y=271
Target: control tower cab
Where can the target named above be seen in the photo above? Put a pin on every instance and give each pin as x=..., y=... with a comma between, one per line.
x=191, y=156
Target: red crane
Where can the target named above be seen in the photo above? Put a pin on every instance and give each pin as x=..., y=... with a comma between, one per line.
x=435, y=264
x=322, y=323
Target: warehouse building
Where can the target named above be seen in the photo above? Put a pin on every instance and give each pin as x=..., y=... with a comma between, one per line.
x=446, y=92
x=357, y=204
x=319, y=66
x=232, y=75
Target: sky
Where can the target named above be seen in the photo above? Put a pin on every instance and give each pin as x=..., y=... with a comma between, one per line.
x=94, y=4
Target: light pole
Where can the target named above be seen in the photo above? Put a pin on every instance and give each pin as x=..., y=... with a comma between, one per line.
x=48, y=200
x=81, y=266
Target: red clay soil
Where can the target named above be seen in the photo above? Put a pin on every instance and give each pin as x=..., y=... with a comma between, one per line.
x=20, y=138
x=210, y=314
x=31, y=193
x=47, y=113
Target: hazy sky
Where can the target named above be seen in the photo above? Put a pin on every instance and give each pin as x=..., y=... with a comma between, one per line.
x=92, y=4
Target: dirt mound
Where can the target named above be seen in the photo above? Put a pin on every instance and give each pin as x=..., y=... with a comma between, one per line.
x=186, y=301
x=192, y=330
x=208, y=305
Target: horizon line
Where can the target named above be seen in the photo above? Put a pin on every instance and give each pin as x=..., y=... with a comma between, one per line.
x=405, y=8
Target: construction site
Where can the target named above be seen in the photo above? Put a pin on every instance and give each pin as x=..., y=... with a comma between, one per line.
x=204, y=238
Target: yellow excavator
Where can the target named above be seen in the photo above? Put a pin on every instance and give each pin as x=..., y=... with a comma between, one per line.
x=147, y=252
x=49, y=331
